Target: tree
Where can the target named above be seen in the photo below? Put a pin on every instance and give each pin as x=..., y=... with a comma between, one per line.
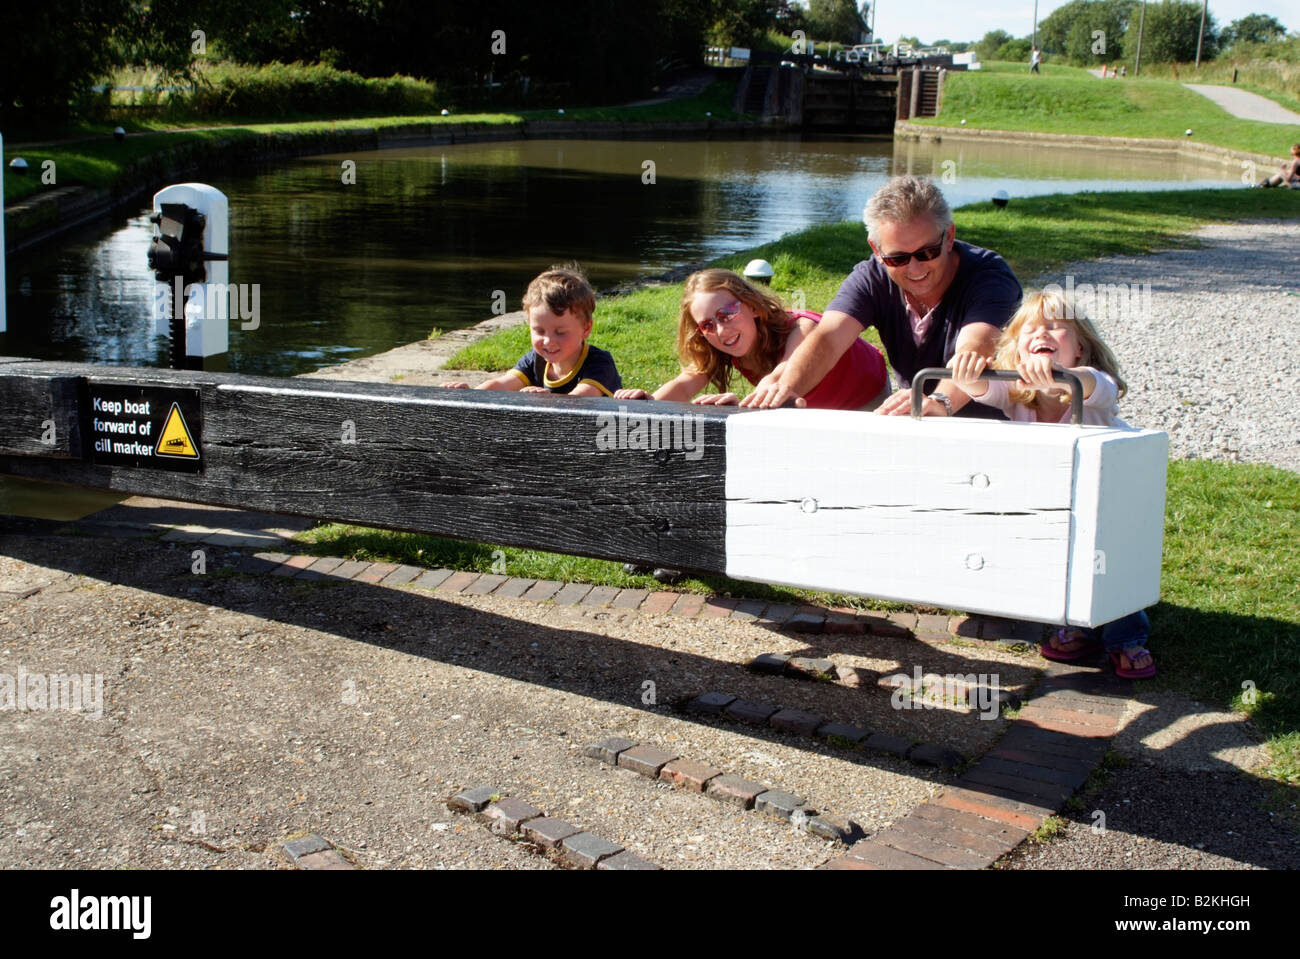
x=988, y=46
x=1253, y=28
x=739, y=23
x=840, y=21
x=1170, y=33
x=1072, y=30
x=1014, y=50
x=53, y=51
x=790, y=18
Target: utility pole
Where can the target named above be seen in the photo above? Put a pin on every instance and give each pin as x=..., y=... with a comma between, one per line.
x=1034, y=41
x=1201, y=36
x=1137, y=62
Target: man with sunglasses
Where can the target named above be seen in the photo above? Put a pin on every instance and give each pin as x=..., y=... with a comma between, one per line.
x=928, y=294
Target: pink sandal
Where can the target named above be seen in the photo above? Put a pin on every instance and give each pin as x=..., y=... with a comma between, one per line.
x=1118, y=656
x=1087, y=646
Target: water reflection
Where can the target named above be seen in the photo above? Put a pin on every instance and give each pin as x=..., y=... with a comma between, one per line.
x=425, y=236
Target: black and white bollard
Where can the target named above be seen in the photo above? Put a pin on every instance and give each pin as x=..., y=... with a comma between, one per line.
x=189, y=255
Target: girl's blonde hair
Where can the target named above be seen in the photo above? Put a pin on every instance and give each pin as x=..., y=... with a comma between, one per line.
x=1044, y=306
x=771, y=320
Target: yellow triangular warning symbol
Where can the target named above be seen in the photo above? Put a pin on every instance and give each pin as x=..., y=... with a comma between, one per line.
x=175, y=439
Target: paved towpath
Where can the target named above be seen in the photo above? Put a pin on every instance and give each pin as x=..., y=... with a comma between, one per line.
x=1246, y=105
x=269, y=695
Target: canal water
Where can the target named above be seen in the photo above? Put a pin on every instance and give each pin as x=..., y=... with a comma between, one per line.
x=426, y=237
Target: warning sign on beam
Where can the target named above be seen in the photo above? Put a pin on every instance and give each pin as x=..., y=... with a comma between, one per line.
x=149, y=427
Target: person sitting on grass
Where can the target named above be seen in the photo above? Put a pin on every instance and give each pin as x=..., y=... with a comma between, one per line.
x=1290, y=175
x=560, y=305
x=1049, y=333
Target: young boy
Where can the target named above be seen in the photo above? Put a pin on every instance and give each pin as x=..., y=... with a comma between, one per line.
x=560, y=304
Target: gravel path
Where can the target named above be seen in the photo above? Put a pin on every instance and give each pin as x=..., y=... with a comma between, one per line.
x=1244, y=104
x=1208, y=347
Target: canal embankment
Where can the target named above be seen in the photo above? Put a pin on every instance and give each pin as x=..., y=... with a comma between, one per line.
x=47, y=214
x=1190, y=149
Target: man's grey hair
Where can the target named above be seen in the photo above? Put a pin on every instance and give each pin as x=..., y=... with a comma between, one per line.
x=904, y=199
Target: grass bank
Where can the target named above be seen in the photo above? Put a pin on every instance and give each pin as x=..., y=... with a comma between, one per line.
x=1070, y=100
x=104, y=163
x=87, y=155
x=1230, y=612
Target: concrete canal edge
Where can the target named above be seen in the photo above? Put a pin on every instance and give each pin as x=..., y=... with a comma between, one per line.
x=1190, y=149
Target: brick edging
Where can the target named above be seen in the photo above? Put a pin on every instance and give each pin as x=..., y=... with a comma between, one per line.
x=560, y=841
x=711, y=781
x=1050, y=750
x=804, y=619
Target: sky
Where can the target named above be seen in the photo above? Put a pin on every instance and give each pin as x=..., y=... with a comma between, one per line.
x=966, y=20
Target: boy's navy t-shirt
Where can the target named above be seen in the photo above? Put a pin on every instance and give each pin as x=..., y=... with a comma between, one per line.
x=983, y=291
x=594, y=366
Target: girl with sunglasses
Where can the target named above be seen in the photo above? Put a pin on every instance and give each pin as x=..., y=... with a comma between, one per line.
x=728, y=323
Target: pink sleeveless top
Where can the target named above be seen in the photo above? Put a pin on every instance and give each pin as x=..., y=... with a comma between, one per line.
x=852, y=383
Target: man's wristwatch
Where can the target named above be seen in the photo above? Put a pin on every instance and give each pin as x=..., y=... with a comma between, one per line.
x=942, y=398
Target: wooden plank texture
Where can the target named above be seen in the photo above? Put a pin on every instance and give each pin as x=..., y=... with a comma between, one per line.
x=38, y=413
x=970, y=515
x=1119, y=513
x=533, y=471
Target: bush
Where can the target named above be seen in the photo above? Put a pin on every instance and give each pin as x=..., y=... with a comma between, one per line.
x=280, y=89
x=1014, y=50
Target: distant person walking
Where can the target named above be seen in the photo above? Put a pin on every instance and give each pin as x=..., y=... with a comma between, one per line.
x=1290, y=175
x=1035, y=58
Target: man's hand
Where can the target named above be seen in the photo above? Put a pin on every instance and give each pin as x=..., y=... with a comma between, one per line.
x=534, y=389
x=632, y=395
x=898, y=404
x=966, y=369
x=771, y=395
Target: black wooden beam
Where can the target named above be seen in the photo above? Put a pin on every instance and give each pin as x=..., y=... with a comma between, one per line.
x=537, y=471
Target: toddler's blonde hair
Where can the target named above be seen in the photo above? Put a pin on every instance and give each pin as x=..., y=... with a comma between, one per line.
x=1041, y=307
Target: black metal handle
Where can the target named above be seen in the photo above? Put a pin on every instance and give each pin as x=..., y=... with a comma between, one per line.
x=943, y=373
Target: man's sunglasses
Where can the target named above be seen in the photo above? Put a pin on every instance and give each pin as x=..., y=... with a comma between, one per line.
x=923, y=255
x=722, y=317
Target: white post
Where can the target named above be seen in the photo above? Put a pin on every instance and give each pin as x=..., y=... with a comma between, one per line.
x=2, y=233
x=208, y=307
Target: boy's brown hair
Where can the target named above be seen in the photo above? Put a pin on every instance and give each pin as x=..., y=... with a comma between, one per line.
x=562, y=288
